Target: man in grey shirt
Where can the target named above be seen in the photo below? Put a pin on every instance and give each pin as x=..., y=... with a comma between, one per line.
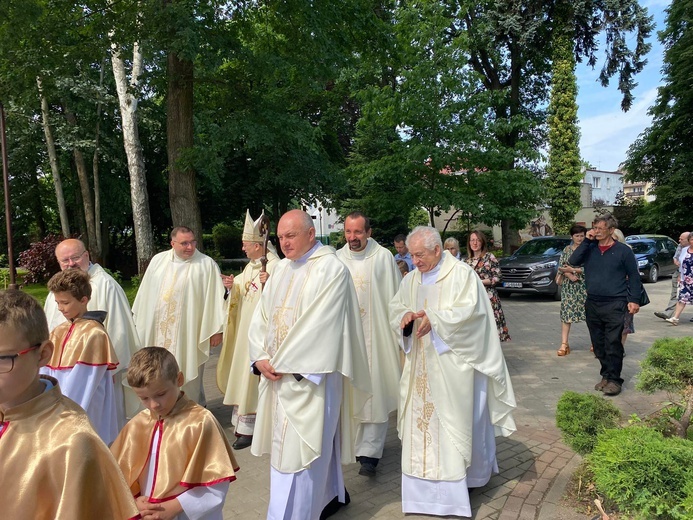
x=669, y=311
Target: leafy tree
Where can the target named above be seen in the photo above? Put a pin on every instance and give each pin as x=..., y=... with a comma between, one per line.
x=662, y=153
x=563, y=172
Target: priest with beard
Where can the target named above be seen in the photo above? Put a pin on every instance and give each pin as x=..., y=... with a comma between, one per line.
x=306, y=342
x=456, y=394
x=376, y=280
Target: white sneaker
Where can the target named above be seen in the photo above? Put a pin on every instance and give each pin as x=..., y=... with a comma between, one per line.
x=673, y=321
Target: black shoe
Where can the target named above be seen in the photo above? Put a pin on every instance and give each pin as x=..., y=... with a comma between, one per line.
x=662, y=315
x=243, y=441
x=612, y=388
x=335, y=505
x=368, y=465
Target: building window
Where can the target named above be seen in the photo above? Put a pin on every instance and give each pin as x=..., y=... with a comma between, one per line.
x=608, y=183
x=595, y=182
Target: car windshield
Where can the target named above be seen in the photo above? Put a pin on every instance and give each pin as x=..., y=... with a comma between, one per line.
x=542, y=247
x=640, y=248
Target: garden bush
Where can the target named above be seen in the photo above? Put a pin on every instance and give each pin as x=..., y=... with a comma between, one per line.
x=644, y=473
x=581, y=417
x=39, y=260
x=669, y=366
x=227, y=241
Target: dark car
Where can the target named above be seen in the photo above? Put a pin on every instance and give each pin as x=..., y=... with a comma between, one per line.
x=532, y=268
x=655, y=255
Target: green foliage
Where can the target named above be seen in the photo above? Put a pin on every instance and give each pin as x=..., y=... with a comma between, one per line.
x=116, y=275
x=667, y=366
x=644, y=473
x=564, y=173
x=582, y=417
x=227, y=241
x=662, y=153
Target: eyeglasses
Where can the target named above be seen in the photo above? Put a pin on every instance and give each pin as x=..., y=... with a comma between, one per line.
x=72, y=259
x=187, y=244
x=7, y=362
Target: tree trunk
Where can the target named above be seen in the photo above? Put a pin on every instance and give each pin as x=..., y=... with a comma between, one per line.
x=95, y=174
x=85, y=189
x=53, y=159
x=141, y=216
x=185, y=210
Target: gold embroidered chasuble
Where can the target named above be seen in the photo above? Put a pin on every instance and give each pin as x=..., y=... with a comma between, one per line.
x=436, y=404
x=192, y=451
x=234, y=376
x=307, y=322
x=179, y=306
x=376, y=280
x=81, y=341
x=55, y=465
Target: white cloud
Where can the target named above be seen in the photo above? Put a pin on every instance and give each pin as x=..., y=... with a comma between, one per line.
x=605, y=138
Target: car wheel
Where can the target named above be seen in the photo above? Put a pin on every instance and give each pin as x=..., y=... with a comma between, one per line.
x=654, y=274
x=557, y=294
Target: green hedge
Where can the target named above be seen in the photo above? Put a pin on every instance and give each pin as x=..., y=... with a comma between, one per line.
x=581, y=417
x=644, y=473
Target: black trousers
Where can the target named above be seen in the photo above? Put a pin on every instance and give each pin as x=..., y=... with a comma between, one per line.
x=605, y=323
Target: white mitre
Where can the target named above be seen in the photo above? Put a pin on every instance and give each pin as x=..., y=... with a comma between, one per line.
x=252, y=233
x=251, y=230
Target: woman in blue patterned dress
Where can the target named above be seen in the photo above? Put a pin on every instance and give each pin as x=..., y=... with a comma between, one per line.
x=486, y=266
x=685, y=281
x=573, y=292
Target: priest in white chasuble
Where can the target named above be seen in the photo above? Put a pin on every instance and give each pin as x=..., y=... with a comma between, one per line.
x=306, y=341
x=376, y=280
x=456, y=394
x=234, y=377
x=180, y=306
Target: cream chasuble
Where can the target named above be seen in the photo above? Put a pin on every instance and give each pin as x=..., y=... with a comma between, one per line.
x=307, y=323
x=179, y=306
x=376, y=280
x=107, y=295
x=438, y=381
x=234, y=377
x=55, y=466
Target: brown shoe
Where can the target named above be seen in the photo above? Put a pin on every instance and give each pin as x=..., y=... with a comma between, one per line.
x=564, y=350
x=600, y=386
x=612, y=388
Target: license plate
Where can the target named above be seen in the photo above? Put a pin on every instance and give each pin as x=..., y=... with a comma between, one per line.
x=517, y=285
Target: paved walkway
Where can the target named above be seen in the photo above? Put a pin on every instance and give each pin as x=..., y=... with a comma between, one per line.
x=534, y=464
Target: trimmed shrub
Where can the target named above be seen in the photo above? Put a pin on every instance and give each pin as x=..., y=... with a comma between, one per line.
x=581, y=417
x=227, y=241
x=644, y=473
x=669, y=366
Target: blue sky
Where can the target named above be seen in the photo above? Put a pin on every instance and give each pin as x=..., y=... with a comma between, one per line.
x=607, y=131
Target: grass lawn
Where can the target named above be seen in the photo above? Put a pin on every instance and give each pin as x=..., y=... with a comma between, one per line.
x=40, y=291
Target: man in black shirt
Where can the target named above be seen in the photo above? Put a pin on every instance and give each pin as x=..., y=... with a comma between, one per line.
x=613, y=288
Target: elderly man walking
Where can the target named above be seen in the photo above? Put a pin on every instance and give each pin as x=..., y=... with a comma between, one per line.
x=180, y=306
x=613, y=288
x=376, y=280
x=306, y=341
x=455, y=388
x=106, y=295
x=234, y=377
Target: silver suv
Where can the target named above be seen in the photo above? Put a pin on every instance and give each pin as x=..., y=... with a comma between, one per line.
x=532, y=268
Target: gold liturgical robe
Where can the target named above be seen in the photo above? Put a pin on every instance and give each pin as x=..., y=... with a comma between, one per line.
x=234, y=376
x=54, y=466
x=436, y=404
x=193, y=451
x=307, y=322
x=81, y=341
